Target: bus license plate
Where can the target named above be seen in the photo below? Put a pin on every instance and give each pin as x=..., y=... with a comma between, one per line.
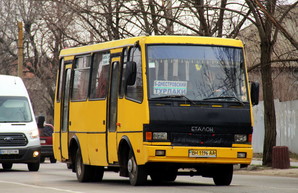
x=202, y=153
x=9, y=151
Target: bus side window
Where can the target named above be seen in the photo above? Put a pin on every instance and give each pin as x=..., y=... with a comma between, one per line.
x=135, y=92
x=81, y=78
x=100, y=75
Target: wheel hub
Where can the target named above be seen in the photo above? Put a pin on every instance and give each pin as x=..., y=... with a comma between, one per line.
x=129, y=166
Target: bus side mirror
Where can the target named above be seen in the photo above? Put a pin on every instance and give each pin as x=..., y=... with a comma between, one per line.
x=254, y=92
x=130, y=73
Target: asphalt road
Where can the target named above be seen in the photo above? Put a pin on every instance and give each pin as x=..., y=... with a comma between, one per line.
x=57, y=178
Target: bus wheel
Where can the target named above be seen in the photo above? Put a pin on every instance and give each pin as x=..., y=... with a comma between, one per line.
x=137, y=173
x=224, y=175
x=6, y=166
x=82, y=171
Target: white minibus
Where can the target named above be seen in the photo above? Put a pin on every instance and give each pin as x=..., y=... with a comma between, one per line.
x=19, y=137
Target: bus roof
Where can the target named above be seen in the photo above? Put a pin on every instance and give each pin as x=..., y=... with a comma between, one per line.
x=151, y=40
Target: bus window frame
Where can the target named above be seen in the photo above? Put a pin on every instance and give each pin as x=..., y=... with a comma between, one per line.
x=61, y=81
x=130, y=58
x=124, y=55
x=90, y=77
x=74, y=67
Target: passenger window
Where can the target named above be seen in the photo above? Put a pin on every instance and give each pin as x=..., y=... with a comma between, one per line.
x=135, y=92
x=100, y=75
x=81, y=77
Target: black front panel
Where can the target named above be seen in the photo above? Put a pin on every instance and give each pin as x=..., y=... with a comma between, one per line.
x=200, y=125
x=173, y=113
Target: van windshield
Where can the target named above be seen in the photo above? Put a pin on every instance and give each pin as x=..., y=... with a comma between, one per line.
x=14, y=109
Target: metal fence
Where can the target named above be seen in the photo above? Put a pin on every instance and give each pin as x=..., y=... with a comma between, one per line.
x=286, y=125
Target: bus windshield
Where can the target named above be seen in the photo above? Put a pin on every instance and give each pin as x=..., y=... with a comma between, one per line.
x=14, y=109
x=196, y=72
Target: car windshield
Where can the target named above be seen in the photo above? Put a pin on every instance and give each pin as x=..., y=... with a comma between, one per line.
x=14, y=109
x=196, y=72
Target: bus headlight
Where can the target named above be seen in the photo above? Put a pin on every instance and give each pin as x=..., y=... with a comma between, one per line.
x=160, y=136
x=240, y=138
x=157, y=136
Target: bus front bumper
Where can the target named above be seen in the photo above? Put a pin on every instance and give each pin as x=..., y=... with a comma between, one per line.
x=200, y=155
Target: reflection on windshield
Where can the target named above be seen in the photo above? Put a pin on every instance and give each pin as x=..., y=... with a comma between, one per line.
x=14, y=109
x=197, y=72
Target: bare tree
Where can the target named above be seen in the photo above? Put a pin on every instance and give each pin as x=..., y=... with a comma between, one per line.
x=43, y=41
x=264, y=19
x=8, y=56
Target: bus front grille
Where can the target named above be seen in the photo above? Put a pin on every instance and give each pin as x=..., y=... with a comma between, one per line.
x=206, y=140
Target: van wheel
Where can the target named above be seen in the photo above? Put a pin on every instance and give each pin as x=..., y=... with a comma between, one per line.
x=224, y=175
x=82, y=171
x=42, y=159
x=137, y=173
x=33, y=167
x=53, y=160
x=6, y=166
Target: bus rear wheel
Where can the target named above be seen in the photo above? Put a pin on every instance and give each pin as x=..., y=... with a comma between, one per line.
x=82, y=170
x=87, y=173
x=137, y=173
x=224, y=175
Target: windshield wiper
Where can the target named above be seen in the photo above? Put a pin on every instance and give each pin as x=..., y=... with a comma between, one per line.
x=175, y=96
x=225, y=97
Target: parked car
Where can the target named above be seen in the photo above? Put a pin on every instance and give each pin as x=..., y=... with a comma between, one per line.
x=46, y=140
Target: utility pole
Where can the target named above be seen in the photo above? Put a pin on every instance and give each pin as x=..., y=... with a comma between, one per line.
x=20, y=49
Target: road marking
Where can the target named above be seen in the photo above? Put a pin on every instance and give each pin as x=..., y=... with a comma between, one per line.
x=39, y=187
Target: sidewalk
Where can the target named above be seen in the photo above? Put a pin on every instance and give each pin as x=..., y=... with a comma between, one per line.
x=256, y=168
x=259, y=163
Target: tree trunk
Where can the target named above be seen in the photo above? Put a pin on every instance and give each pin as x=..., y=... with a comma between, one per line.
x=269, y=109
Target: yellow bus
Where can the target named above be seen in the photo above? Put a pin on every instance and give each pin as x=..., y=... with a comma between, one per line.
x=157, y=106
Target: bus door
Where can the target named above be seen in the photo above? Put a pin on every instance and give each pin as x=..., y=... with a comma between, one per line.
x=112, y=110
x=65, y=115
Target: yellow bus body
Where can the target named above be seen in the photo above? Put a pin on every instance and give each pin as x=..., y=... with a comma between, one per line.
x=87, y=119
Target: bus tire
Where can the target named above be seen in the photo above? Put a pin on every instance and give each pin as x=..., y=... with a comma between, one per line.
x=224, y=175
x=82, y=171
x=137, y=173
